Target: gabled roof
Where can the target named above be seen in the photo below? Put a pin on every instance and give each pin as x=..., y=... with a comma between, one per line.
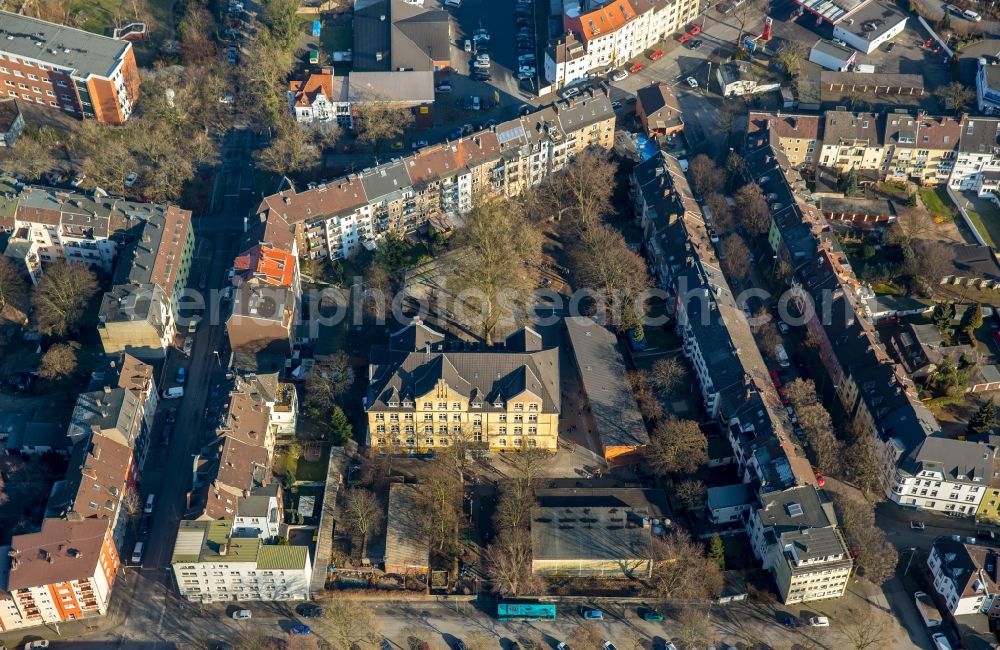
x=415, y=337
x=342, y=196
x=406, y=545
x=267, y=265
x=62, y=551
x=606, y=19
x=658, y=102
x=305, y=91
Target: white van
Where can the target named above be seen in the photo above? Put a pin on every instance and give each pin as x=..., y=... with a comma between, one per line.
x=971, y=15
x=173, y=393
x=149, y=504
x=941, y=642
x=137, y=553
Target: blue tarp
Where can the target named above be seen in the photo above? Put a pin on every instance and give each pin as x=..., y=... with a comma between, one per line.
x=316, y=28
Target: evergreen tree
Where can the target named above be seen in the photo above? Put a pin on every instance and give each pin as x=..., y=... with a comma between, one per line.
x=972, y=319
x=984, y=419
x=851, y=183
x=717, y=551
x=943, y=315
x=340, y=426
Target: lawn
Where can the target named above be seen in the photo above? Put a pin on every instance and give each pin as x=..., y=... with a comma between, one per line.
x=987, y=222
x=337, y=37
x=313, y=470
x=937, y=202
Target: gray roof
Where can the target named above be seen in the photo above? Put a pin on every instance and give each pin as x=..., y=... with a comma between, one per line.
x=845, y=126
x=729, y=496
x=991, y=70
x=417, y=41
x=9, y=112
x=814, y=543
x=81, y=52
x=980, y=135
x=406, y=544
x=111, y=408
x=257, y=503
x=385, y=180
x=873, y=20
x=408, y=87
x=593, y=524
x=136, y=302
x=602, y=369
x=487, y=377
x=857, y=206
x=958, y=460
x=415, y=337
x=734, y=71
x=394, y=35
x=778, y=509
x=832, y=49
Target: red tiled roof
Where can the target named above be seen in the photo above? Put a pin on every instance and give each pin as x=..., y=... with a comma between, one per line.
x=305, y=91
x=606, y=19
x=62, y=551
x=268, y=265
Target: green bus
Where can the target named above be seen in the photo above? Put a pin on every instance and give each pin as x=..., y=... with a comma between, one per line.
x=525, y=611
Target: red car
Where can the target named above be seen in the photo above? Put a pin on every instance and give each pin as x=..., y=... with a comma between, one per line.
x=684, y=38
x=656, y=56
x=635, y=68
x=774, y=374
x=694, y=31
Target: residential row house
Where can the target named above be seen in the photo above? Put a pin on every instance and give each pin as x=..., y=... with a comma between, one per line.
x=422, y=396
x=919, y=467
x=964, y=575
x=66, y=570
x=141, y=312
x=211, y=563
x=334, y=219
x=896, y=145
x=601, y=35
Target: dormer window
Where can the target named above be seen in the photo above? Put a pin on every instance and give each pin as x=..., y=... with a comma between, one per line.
x=477, y=405
x=408, y=404
x=393, y=404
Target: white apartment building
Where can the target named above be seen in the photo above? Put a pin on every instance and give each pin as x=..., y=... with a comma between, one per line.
x=853, y=141
x=210, y=565
x=320, y=98
x=611, y=34
x=64, y=572
x=259, y=514
x=794, y=532
x=978, y=153
x=964, y=575
x=944, y=475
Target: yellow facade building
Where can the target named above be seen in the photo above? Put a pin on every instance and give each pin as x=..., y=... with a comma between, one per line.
x=423, y=397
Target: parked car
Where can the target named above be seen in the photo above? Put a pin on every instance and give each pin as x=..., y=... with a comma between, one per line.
x=150, y=501
x=242, y=615
x=691, y=81
x=609, y=646
x=481, y=75
x=174, y=392
x=144, y=524
x=468, y=45
x=819, y=621
x=171, y=415
x=78, y=180
x=941, y=642
x=592, y=614
x=131, y=179
x=137, y=553
x=917, y=525
x=309, y=610
x=181, y=375
x=444, y=87
x=570, y=92
x=188, y=345
x=788, y=620
x=31, y=645
x=619, y=75
x=476, y=103
x=300, y=630
x=481, y=34
x=695, y=44
x=650, y=614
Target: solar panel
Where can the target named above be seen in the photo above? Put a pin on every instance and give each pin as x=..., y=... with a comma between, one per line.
x=510, y=134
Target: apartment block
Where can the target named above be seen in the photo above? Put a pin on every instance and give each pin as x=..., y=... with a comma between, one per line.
x=964, y=574
x=794, y=533
x=334, y=219
x=944, y=474
x=423, y=397
x=85, y=75
x=64, y=572
x=139, y=314
x=608, y=34
x=211, y=565
x=800, y=136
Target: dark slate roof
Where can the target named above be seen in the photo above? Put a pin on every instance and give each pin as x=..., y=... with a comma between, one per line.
x=524, y=340
x=415, y=337
x=490, y=376
x=385, y=180
x=980, y=135
x=958, y=460
x=602, y=370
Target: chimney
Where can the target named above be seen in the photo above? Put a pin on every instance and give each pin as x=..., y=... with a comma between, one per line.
x=223, y=549
x=107, y=390
x=288, y=200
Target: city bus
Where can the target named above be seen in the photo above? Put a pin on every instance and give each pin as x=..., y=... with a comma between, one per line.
x=525, y=611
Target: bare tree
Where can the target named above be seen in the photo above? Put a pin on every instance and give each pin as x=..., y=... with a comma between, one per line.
x=61, y=297
x=496, y=272
x=441, y=496
x=29, y=157
x=667, y=373
x=252, y=638
x=932, y=260
x=818, y=430
x=363, y=515
x=331, y=377
x=581, y=193
x=722, y=214
x=603, y=262
x=705, y=175
x=955, y=96
x=875, y=555
x=131, y=502
x=767, y=334
x=694, y=627
x=691, y=494
x=735, y=256
x=13, y=288
x=677, y=446
x=862, y=458
x=195, y=31
x=507, y=563
x=792, y=56
x=681, y=570
x=350, y=623
x=910, y=223
x=291, y=151
x=58, y=362
x=480, y=641
x=585, y=635
x=861, y=630
x=377, y=122
x=801, y=392
x=752, y=209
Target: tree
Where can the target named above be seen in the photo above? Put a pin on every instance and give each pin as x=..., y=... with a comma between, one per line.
x=496, y=272
x=667, y=373
x=861, y=630
x=131, y=502
x=955, y=96
x=677, y=446
x=581, y=192
x=252, y=638
x=349, y=623
x=933, y=260
x=377, y=122
x=793, y=54
x=705, y=175
x=818, y=430
x=736, y=169
x=340, y=427
x=862, y=458
x=722, y=214
x=281, y=23
x=801, y=392
x=875, y=555
x=910, y=223
x=767, y=334
x=851, y=182
x=195, y=32
x=13, y=288
x=58, y=362
x=972, y=320
x=943, y=315
x=603, y=262
x=363, y=514
x=61, y=297
x=983, y=419
x=441, y=497
x=681, y=570
x=291, y=151
x=691, y=494
x=260, y=82
x=303, y=642
x=752, y=209
x=717, y=551
x=694, y=627
x=585, y=635
x=735, y=257
x=330, y=378
x=507, y=563
x=29, y=157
